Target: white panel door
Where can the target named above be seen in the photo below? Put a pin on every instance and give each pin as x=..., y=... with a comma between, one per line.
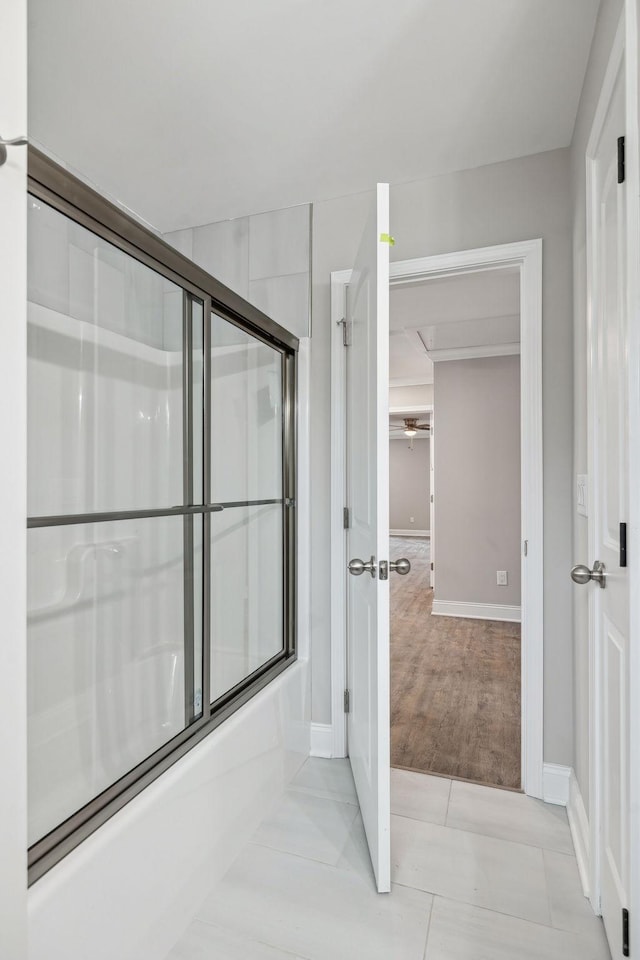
x=609, y=463
x=368, y=537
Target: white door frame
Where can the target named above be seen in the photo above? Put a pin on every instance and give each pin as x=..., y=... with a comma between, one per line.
x=625, y=44
x=527, y=257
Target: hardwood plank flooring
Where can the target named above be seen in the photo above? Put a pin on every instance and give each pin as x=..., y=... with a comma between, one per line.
x=455, y=684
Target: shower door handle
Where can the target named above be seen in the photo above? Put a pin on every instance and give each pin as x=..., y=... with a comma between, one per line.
x=12, y=142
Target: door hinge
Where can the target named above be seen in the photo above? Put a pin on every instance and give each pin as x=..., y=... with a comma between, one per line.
x=621, y=170
x=432, y=567
x=347, y=701
x=625, y=932
x=347, y=328
x=623, y=544
x=431, y=498
x=525, y=547
x=346, y=518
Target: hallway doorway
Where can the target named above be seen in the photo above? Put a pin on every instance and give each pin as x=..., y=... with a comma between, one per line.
x=524, y=260
x=454, y=366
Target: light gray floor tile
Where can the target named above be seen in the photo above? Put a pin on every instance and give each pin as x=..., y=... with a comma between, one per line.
x=317, y=911
x=308, y=826
x=570, y=909
x=509, y=816
x=355, y=855
x=207, y=941
x=484, y=871
x=462, y=932
x=326, y=778
x=419, y=796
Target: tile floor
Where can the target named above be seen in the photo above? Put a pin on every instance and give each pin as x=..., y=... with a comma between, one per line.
x=478, y=874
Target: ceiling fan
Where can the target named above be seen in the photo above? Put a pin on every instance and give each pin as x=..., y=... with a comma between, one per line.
x=411, y=426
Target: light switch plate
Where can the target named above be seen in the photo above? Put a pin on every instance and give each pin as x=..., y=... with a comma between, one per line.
x=582, y=495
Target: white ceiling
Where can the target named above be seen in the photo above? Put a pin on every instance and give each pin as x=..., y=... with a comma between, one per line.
x=192, y=111
x=430, y=319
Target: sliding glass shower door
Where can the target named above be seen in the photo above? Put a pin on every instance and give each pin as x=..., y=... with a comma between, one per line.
x=160, y=542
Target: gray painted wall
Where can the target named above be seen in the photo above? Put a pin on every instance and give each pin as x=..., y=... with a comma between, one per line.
x=477, y=479
x=603, y=39
x=409, y=484
x=516, y=200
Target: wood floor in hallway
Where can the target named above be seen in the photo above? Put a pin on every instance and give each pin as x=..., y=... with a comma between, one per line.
x=455, y=684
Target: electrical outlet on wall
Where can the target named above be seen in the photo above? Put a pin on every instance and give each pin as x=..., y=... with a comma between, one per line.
x=502, y=578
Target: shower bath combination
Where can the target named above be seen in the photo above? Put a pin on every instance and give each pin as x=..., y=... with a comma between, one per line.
x=161, y=502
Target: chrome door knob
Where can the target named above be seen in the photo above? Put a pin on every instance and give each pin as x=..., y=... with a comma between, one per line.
x=402, y=566
x=357, y=567
x=582, y=574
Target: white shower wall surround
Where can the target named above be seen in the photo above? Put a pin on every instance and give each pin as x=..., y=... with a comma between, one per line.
x=266, y=258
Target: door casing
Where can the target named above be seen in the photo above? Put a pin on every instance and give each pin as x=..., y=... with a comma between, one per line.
x=526, y=256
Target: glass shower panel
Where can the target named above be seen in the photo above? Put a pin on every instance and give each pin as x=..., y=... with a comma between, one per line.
x=105, y=372
x=106, y=660
x=246, y=592
x=246, y=416
x=247, y=548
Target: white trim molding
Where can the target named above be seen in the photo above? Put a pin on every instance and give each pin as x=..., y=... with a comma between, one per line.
x=397, y=381
x=416, y=408
x=321, y=740
x=476, y=611
x=555, y=779
x=526, y=256
x=579, y=826
x=442, y=354
x=561, y=787
x=339, y=281
x=410, y=533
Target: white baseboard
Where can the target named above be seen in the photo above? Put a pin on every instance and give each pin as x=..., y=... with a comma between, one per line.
x=476, y=611
x=410, y=533
x=555, y=783
x=579, y=825
x=560, y=786
x=321, y=740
